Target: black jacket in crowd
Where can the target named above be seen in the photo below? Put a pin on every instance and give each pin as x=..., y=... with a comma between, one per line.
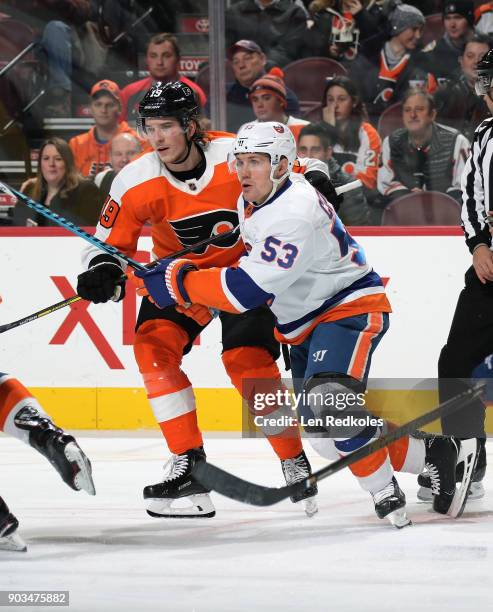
x=279, y=28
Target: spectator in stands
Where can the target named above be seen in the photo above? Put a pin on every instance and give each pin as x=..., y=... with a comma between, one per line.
x=59, y=185
x=61, y=24
x=268, y=98
x=357, y=147
x=387, y=67
x=337, y=26
x=60, y=27
x=124, y=148
x=278, y=26
x=248, y=62
x=441, y=57
x=424, y=155
x=163, y=60
x=317, y=140
x=457, y=103
x=92, y=149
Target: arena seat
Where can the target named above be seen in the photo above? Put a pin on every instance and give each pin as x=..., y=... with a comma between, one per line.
x=433, y=29
x=390, y=120
x=306, y=77
x=313, y=114
x=425, y=208
x=203, y=76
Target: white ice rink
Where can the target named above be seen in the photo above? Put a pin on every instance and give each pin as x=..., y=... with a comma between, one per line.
x=111, y=556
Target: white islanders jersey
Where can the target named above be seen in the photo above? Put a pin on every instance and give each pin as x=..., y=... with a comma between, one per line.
x=301, y=261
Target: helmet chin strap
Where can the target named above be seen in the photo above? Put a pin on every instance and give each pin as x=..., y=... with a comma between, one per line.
x=189, y=148
x=187, y=154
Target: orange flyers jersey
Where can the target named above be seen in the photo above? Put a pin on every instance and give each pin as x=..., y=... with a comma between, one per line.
x=364, y=162
x=181, y=213
x=92, y=156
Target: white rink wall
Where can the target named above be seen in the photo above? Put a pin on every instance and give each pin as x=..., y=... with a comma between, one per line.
x=425, y=274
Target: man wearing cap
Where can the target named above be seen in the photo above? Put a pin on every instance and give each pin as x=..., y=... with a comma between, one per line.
x=268, y=98
x=92, y=149
x=248, y=62
x=442, y=56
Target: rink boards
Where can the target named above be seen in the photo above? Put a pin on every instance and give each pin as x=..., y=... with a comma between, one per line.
x=79, y=361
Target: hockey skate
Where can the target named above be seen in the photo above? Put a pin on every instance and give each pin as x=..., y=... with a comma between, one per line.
x=61, y=449
x=476, y=490
x=179, y=495
x=9, y=538
x=390, y=502
x=297, y=469
x=442, y=456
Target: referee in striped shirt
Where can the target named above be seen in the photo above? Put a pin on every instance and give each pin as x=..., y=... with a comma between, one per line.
x=470, y=338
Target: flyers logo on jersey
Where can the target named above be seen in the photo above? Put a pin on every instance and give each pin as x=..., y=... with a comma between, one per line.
x=191, y=230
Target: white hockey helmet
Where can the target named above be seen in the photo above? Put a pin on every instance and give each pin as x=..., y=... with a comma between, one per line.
x=270, y=137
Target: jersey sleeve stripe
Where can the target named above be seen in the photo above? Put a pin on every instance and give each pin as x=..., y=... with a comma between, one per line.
x=238, y=285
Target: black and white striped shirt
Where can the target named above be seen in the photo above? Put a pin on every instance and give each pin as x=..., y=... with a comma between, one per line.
x=477, y=187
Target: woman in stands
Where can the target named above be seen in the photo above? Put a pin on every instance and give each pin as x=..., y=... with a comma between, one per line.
x=59, y=185
x=358, y=144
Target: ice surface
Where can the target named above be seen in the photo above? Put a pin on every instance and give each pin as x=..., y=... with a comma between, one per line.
x=112, y=557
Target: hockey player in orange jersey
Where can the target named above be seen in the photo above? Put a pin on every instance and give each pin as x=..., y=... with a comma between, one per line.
x=186, y=192
x=22, y=417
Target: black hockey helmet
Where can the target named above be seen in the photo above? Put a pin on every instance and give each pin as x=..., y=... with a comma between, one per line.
x=175, y=99
x=484, y=80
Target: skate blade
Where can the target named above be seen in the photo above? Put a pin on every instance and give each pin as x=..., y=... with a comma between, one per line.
x=399, y=518
x=199, y=506
x=310, y=506
x=469, y=452
x=476, y=491
x=83, y=479
x=13, y=543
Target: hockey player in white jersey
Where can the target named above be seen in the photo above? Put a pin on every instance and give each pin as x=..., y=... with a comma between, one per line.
x=329, y=304
x=22, y=417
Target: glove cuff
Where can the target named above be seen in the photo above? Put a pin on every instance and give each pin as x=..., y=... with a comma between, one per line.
x=173, y=278
x=104, y=258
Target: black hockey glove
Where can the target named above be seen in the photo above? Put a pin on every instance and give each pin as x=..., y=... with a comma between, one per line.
x=102, y=281
x=322, y=183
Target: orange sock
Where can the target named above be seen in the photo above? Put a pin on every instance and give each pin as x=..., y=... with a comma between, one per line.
x=158, y=349
x=12, y=392
x=398, y=452
x=369, y=465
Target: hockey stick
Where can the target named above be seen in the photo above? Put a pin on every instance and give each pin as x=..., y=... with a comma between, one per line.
x=75, y=298
x=71, y=227
x=68, y=225
x=241, y=490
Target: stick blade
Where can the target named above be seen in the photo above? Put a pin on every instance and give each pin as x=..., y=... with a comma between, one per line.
x=236, y=488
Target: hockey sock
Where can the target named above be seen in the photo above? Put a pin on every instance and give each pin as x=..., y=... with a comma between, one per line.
x=158, y=349
x=407, y=455
x=13, y=397
x=253, y=371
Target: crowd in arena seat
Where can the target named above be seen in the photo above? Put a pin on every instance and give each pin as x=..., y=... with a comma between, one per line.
x=381, y=90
